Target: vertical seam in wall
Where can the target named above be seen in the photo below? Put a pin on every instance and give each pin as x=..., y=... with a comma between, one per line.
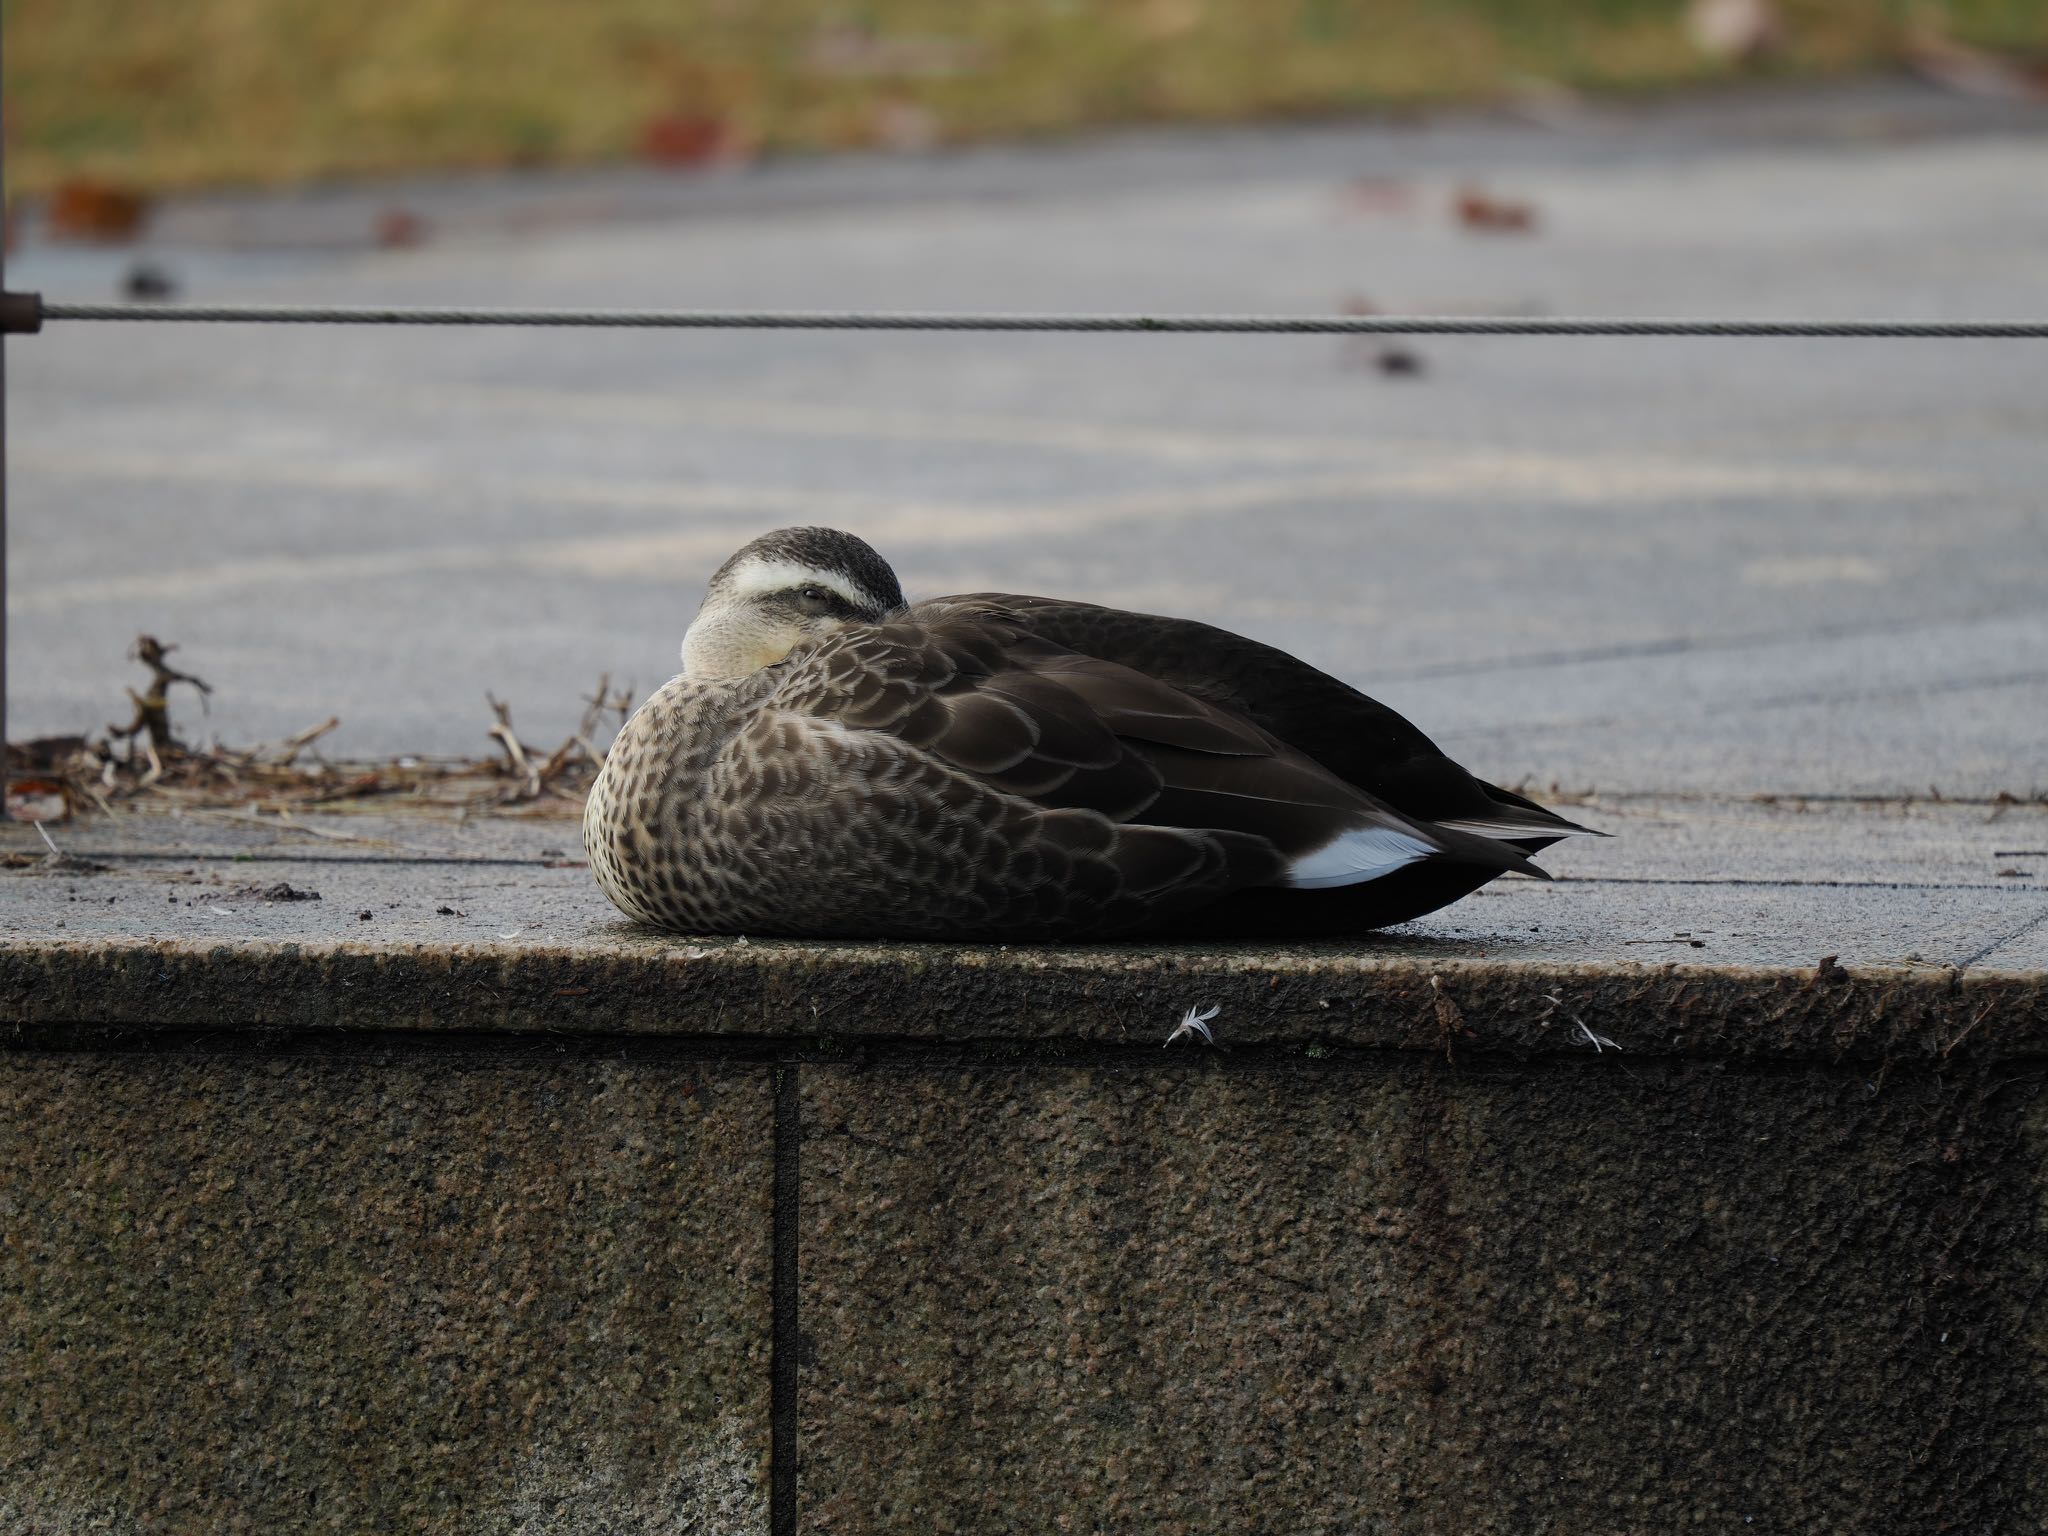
x=782, y=1462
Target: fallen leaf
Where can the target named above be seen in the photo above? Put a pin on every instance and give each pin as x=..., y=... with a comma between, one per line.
x=1478, y=210
x=398, y=228
x=690, y=139
x=84, y=209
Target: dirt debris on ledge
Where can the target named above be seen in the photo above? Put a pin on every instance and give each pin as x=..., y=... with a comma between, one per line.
x=146, y=762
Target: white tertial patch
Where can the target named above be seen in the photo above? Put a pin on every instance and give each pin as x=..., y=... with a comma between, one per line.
x=1354, y=857
x=757, y=577
x=1508, y=825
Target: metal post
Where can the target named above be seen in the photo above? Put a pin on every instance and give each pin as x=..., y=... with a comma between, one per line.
x=3, y=437
x=19, y=312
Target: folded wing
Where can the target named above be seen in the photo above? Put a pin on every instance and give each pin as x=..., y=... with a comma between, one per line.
x=1354, y=736
x=1175, y=798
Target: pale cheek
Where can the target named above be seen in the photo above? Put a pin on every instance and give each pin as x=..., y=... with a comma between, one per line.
x=724, y=647
x=766, y=653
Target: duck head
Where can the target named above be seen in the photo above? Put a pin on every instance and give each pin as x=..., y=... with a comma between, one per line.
x=785, y=589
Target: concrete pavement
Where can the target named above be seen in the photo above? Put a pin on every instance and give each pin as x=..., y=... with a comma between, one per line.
x=1702, y=1183
x=1887, y=889
x=1718, y=568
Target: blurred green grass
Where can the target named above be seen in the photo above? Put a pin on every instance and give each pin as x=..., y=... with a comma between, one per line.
x=161, y=93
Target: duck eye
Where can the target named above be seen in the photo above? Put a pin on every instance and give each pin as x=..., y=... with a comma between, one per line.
x=821, y=601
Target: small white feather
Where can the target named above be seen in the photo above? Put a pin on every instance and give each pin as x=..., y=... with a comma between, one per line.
x=1509, y=826
x=1351, y=858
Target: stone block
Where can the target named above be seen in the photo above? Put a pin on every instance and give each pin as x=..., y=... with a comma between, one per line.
x=415, y=1292
x=1260, y=1293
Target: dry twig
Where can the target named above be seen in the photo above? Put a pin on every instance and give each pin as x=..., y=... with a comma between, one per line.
x=146, y=760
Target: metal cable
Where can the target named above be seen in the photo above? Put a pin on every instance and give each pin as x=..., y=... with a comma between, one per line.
x=857, y=320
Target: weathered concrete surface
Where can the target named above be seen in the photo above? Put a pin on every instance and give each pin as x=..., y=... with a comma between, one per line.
x=1698, y=929
x=1602, y=1206
x=829, y=999
x=1401, y=1297
x=1594, y=1207
x=478, y=1293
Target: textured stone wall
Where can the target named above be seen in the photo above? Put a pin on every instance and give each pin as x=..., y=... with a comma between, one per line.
x=456, y=1292
x=475, y=1282
x=1397, y=1296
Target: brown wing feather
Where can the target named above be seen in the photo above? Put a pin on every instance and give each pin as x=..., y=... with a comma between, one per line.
x=1355, y=736
x=1020, y=795
x=1063, y=731
x=1218, y=770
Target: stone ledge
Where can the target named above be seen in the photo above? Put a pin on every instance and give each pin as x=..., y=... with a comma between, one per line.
x=1700, y=930
x=448, y=1200
x=826, y=997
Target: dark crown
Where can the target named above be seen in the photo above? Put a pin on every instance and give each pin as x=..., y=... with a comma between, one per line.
x=825, y=549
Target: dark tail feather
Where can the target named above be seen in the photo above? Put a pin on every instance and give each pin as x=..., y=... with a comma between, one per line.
x=1487, y=853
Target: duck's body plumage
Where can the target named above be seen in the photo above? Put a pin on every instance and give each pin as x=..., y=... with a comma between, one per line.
x=1355, y=737
x=1019, y=768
